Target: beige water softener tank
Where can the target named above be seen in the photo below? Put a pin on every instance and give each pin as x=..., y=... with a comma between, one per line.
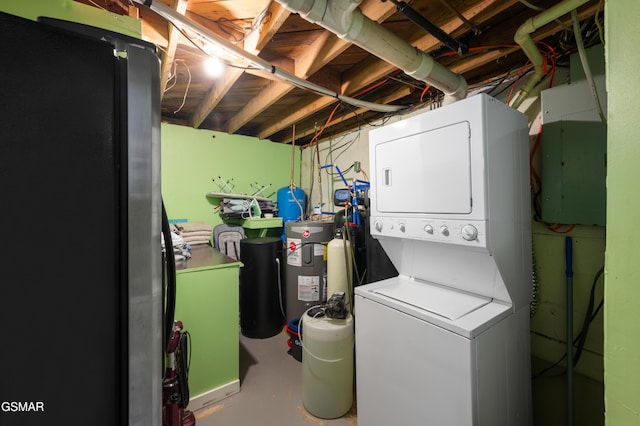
x=339, y=266
x=327, y=365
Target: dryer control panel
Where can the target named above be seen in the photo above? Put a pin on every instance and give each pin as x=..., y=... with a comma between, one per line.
x=468, y=233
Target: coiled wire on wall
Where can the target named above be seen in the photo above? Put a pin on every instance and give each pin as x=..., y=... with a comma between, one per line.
x=535, y=286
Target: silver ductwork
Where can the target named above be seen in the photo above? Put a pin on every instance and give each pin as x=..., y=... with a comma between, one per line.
x=345, y=19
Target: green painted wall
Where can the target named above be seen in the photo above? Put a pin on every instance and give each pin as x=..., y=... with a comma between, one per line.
x=622, y=275
x=72, y=11
x=191, y=158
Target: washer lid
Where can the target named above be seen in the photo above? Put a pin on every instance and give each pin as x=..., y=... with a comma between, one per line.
x=438, y=300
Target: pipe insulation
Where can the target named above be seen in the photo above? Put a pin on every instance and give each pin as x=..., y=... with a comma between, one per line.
x=585, y=66
x=260, y=64
x=523, y=38
x=345, y=19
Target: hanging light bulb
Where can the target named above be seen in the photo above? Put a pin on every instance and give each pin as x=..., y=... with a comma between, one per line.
x=214, y=66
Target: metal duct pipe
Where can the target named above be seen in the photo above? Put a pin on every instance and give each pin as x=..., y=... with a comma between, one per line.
x=523, y=38
x=345, y=19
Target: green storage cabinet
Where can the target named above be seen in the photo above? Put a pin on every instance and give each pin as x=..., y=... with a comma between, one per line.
x=207, y=304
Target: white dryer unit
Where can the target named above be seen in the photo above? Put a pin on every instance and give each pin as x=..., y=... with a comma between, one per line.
x=446, y=343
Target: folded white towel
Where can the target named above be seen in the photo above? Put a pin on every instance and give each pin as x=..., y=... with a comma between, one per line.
x=197, y=240
x=194, y=226
x=196, y=233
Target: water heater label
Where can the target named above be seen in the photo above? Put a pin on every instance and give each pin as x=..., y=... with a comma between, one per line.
x=294, y=251
x=309, y=288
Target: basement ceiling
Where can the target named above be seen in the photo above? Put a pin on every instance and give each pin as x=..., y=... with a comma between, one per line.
x=247, y=102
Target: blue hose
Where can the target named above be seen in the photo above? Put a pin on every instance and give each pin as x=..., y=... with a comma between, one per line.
x=568, y=252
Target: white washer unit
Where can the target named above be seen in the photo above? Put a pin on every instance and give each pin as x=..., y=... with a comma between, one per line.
x=446, y=343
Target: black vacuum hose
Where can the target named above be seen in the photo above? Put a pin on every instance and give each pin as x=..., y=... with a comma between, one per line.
x=170, y=261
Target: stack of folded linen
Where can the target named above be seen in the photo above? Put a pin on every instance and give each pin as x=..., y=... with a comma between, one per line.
x=195, y=232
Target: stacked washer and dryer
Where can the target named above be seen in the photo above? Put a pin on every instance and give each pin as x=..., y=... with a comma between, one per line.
x=446, y=342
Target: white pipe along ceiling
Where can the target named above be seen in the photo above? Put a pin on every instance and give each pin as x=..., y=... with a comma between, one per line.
x=523, y=38
x=345, y=19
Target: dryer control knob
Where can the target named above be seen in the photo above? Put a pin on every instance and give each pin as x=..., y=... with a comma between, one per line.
x=402, y=227
x=444, y=230
x=428, y=229
x=469, y=232
x=378, y=225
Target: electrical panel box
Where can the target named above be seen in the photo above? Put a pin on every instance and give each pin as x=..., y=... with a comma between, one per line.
x=574, y=169
x=574, y=148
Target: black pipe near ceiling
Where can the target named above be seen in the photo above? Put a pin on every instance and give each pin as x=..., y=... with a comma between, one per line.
x=415, y=17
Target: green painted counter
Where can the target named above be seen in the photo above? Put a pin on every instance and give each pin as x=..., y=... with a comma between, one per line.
x=207, y=304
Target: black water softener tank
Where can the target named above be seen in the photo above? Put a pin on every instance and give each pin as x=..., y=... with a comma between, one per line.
x=261, y=313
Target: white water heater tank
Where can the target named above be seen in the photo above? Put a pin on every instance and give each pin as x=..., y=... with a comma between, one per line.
x=306, y=265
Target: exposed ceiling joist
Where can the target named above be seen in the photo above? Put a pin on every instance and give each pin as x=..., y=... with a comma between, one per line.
x=257, y=103
x=170, y=52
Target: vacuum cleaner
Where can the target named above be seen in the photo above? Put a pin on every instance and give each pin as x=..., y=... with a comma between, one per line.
x=175, y=385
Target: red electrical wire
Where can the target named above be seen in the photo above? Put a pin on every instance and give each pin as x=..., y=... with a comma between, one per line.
x=554, y=59
x=535, y=178
x=370, y=88
x=551, y=56
x=486, y=47
x=554, y=228
x=319, y=132
x=515, y=83
x=423, y=92
x=536, y=182
x=359, y=93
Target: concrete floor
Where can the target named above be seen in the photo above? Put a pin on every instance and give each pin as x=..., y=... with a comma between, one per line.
x=271, y=389
x=550, y=398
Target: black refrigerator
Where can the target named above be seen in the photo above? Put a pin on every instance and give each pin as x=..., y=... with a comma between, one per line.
x=81, y=288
